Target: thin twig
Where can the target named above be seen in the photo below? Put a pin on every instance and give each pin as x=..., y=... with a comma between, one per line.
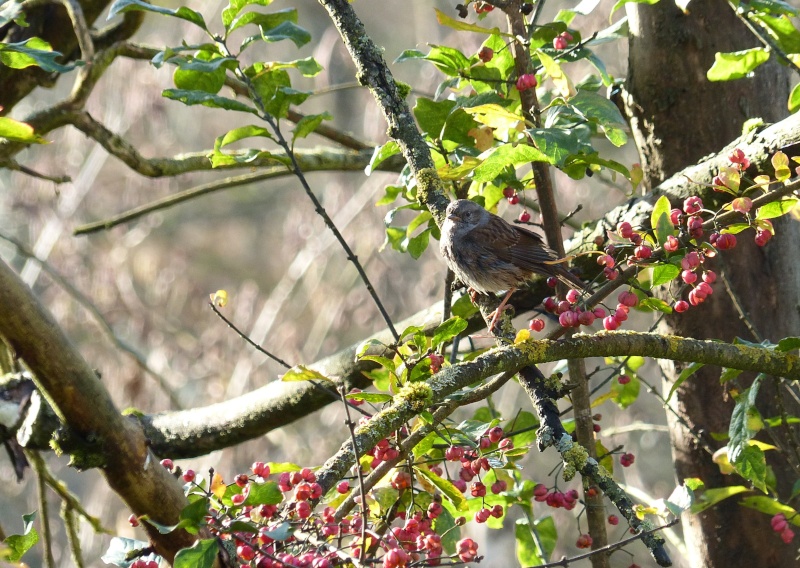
x=244, y=336
x=609, y=548
x=351, y=427
x=39, y=467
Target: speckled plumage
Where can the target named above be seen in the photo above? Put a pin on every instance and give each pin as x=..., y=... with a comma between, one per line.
x=488, y=254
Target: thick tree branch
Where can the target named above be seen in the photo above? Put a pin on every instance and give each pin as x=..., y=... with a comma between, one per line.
x=106, y=438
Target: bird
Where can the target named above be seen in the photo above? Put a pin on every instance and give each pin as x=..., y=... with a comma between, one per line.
x=489, y=254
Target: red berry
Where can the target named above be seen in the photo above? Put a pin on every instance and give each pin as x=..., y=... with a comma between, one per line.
x=596, y=427
x=260, y=469
x=584, y=541
x=623, y=379
x=778, y=522
x=599, y=312
x=568, y=319
x=710, y=276
x=625, y=230
x=560, y=43
x=573, y=296
x=168, y=464
x=539, y=490
x=675, y=216
x=497, y=510
x=586, y=318
x=610, y=323
x=689, y=277
x=514, y=199
x=189, y=475
x=133, y=521
x=552, y=281
x=536, y=324
x=483, y=7
x=486, y=54
x=245, y=552
x=725, y=241
x=628, y=299
x=453, y=453
x=672, y=244
x=343, y=487
x=610, y=273
x=499, y=487
x=550, y=304
x=692, y=204
x=787, y=535
x=643, y=252
x=508, y=192
x=524, y=217
x=613, y=520
x=436, y=362
x=526, y=81
x=495, y=434
x=626, y=459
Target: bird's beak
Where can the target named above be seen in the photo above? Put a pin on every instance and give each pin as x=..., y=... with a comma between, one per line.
x=454, y=217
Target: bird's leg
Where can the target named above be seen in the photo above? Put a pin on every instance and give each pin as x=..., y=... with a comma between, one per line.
x=499, y=309
x=473, y=293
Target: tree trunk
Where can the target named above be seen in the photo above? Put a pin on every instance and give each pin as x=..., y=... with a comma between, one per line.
x=678, y=117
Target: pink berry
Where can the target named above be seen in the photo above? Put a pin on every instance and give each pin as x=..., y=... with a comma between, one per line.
x=643, y=252
x=568, y=319
x=725, y=241
x=586, y=318
x=610, y=273
x=675, y=216
x=625, y=230
x=245, y=552
x=260, y=469
x=343, y=487
x=778, y=522
x=672, y=244
x=626, y=459
x=584, y=541
x=599, y=312
x=133, y=521
x=689, y=277
x=539, y=490
x=499, y=486
x=710, y=276
x=610, y=323
x=526, y=81
x=189, y=475
x=560, y=43
x=550, y=304
x=762, y=237
x=692, y=205
x=621, y=314
x=495, y=434
x=168, y=464
x=514, y=199
x=453, y=453
x=536, y=324
x=613, y=520
x=573, y=296
x=524, y=217
x=628, y=298
x=695, y=227
x=787, y=535
x=497, y=510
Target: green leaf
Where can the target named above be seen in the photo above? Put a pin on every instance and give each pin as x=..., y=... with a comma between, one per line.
x=417, y=245
x=266, y=493
x=206, y=99
x=204, y=72
x=663, y=273
x=776, y=208
x=736, y=65
x=366, y=345
x=794, y=99
x=625, y=395
x=448, y=60
x=309, y=124
x=22, y=543
x=599, y=109
x=462, y=26
x=381, y=154
x=711, y=497
x=680, y=500
x=528, y=553
x=192, y=517
x=33, y=52
x=274, y=87
x=654, y=305
x=739, y=430
x=16, y=131
x=728, y=375
x=660, y=221
x=371, y=397
x=770, y=506
x=286, y=30
x=240, y=134
x=448, y=330
x=560, y=143
x=202, y=554
x=448, y=489
x=11, y=11
x=523, y=421
x=497, y=159
x=264, y=21
x=236, y=6
x=690, y=370
x=431, y=115
x=788, y=344
x=781, y=29
x=735, y=228
x=184, y=13
x=752, y=465
x=303, y=373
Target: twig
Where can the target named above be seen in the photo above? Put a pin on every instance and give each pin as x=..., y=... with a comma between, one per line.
x=360, y=474
x=70, y=526
x=608, y=548
x=244, y=336
x=41, y=495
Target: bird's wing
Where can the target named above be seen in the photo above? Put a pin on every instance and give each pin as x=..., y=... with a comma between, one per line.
x=529, y=251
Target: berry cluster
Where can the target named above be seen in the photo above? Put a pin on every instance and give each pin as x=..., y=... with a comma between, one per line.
x=781, y=525
x=555, y=498
x=569, y=312
x=562, y=40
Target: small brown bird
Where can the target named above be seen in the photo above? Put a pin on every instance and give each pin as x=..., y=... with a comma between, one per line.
x=489, y=254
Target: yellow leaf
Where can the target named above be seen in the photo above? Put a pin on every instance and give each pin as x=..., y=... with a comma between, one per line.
x=522, y=335
x=563, y=85
x=484, y=137
x=218, y=486
x=219, y=298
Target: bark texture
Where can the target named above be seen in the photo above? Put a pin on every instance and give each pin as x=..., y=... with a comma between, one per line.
x=678, y=117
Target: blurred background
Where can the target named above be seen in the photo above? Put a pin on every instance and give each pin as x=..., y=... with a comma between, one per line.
x=290, y=284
